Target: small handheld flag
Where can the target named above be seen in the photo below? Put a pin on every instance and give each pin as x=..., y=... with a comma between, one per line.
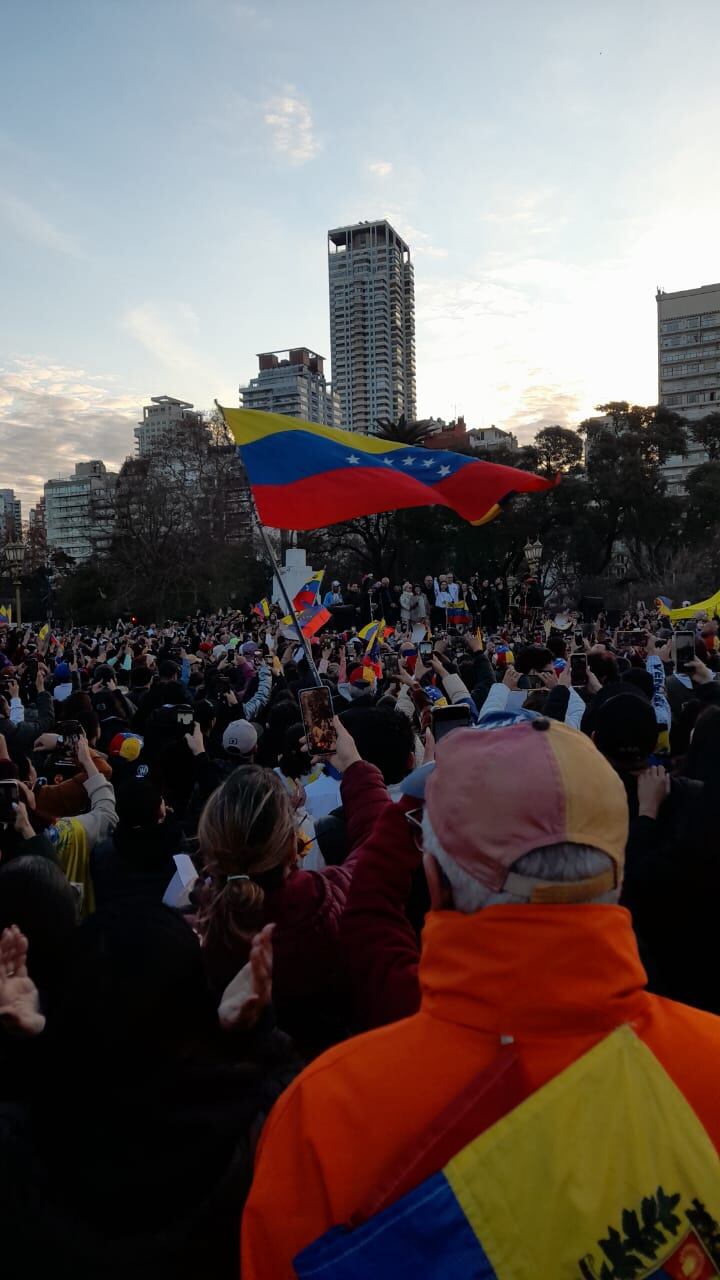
x=308, y=595
x=310, y=620
x=5, y=614
x=305, y=476
x=262, y=609
x=458, y=614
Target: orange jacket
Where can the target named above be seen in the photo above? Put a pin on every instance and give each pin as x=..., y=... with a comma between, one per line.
x=68, y=798
x=557, y=979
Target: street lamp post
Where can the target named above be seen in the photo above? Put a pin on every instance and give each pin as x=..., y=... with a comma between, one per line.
x=14, y=556
x=533, y=555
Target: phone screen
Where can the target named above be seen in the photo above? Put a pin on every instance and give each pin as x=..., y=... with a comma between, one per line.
x=390, y=664
x=578, y=670
x=444, y=719
x=317, y=713
x=683, y=649
x=425, y=648
x=9, y=796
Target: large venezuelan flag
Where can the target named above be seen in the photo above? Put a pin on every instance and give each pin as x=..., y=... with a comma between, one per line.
x=605, y=1173
x=306, y=476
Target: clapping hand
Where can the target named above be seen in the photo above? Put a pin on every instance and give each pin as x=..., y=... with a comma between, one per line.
x=244, y=999
x=19, y=1000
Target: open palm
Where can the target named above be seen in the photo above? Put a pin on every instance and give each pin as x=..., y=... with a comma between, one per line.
x=19, y=1000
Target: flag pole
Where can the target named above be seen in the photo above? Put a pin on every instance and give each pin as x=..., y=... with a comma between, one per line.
x=283, y=590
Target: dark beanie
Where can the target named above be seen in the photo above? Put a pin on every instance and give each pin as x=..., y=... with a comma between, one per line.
x=625, y=730
x=641, y=679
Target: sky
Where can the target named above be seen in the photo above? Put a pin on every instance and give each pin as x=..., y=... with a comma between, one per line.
x=169, y=170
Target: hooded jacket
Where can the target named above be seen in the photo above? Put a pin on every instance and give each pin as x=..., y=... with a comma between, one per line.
x=556, y=979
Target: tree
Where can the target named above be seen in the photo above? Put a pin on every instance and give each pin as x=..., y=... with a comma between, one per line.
x=411, y=433
x=706, y=432
x=703, y=487
x=558, y=449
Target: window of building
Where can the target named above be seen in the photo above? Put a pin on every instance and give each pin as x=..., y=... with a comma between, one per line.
x=711, y=321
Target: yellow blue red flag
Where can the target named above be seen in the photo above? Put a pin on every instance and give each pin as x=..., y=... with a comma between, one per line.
x=557, y=1189
x=305, y=476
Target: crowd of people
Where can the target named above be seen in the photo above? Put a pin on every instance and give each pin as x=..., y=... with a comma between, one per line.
x=264, y=957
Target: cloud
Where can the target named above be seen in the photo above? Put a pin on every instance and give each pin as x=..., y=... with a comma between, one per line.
x=52, y=417
x=381, y=168
x=291, y=124
x=420, y=241
x=165, y=338
x=26, y=221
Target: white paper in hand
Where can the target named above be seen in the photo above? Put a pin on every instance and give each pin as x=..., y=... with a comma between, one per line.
x=177, y=893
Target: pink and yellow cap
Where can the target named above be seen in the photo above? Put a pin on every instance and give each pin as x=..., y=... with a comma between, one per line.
x=495, y=795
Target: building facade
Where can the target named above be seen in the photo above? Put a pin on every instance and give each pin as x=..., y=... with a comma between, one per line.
x=372, y=324
x=491, y=437
x=163, y=423
x=688, y=365
x=10, y=517
x=78, y=510
x=293, y=382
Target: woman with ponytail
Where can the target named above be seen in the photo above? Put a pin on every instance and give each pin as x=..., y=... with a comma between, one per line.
x=252, y=854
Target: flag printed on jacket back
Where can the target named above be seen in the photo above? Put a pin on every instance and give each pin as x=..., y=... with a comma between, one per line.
x=557, y=1190
x=306, y=476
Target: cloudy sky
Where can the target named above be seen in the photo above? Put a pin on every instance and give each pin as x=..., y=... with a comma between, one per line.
x=169, y=168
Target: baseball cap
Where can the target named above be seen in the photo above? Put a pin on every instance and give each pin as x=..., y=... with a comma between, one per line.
x=240, y=738
x=250, y=647
x=494, y=797
x=125, y=745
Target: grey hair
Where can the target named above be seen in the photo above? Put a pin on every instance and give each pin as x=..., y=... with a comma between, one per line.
x=555, y=862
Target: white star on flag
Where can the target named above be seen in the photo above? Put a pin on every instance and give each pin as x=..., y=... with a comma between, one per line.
x=388, y=462
x=444, y=471
x=409, y=462
x=429, y=463
x=353, y=459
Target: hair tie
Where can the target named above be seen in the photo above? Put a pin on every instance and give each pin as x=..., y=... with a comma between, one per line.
x=238, y=878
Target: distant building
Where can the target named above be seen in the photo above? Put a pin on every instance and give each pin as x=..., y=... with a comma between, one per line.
x=10, y=516
x=78, y=510
x=688, y=365
x=491, y=438
x=444, y=435
x=293, y=382
x=36, y=540
x=372, y=324
x=165, y=423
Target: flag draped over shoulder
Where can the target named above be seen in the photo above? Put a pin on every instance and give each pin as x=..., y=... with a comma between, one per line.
x=305, y=476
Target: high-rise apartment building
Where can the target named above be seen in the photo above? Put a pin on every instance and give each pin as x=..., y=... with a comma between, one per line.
x=372, y=324
x=293, y=382
x=78, y=510
x=688, y=365
x=165, y=420
x=10, y=516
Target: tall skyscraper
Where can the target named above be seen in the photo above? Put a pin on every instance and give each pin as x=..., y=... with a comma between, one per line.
x=10, y=516
x=293, y=382
x=688, y=365
x=372, y=324
x=162, y=425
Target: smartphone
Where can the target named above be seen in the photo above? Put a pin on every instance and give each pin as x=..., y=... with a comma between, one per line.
x=683, y=650
x=390, y=664
x=578, y=670
x=71, y=735
x=535, y=682
x=9, y=797
x=425, y=648
x=444, y=719
x=579, y=639
x=317, y=714
x=223, y=684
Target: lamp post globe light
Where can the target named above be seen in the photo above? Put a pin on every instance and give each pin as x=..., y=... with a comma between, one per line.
x=14, y=553
x=533, y=554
